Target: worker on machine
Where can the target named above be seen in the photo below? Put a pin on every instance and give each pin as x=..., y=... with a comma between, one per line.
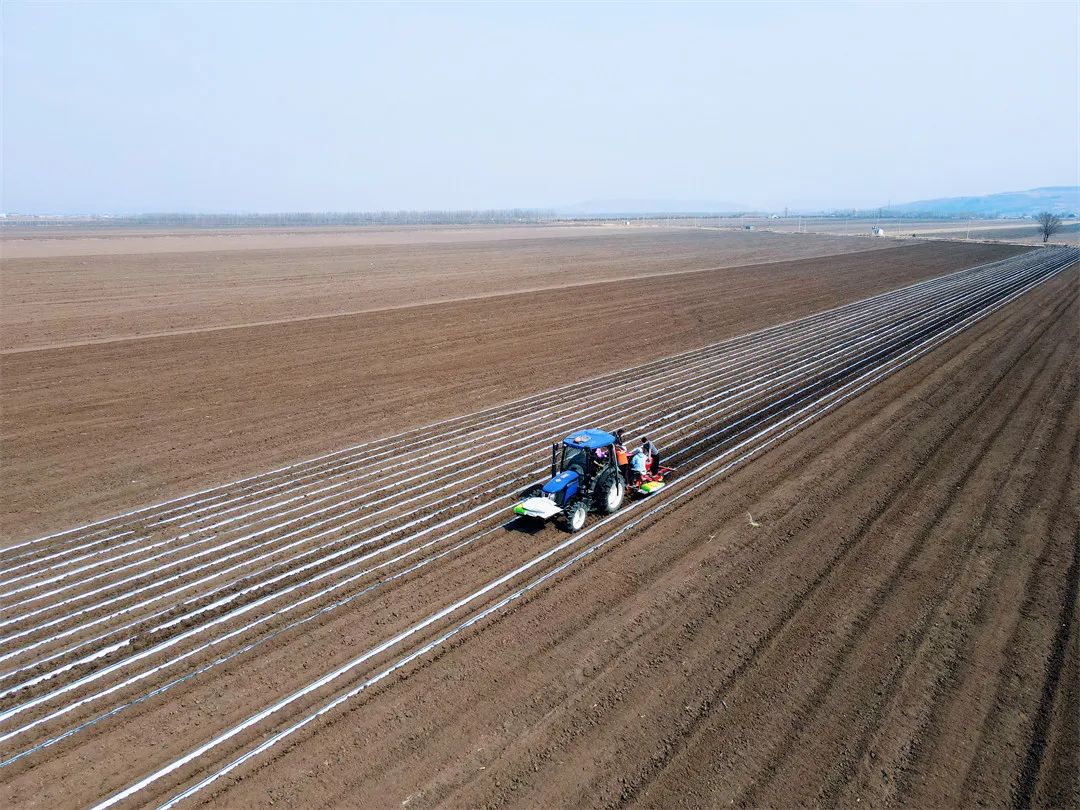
x=621, y=458
x=653, y=454
x=639, y=465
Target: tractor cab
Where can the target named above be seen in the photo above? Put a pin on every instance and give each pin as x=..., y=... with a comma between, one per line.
x=582, y=456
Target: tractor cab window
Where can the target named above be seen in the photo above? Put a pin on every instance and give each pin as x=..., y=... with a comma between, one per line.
x=574, y=458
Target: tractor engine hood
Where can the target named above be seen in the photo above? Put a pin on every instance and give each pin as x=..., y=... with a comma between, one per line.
x=561, y=482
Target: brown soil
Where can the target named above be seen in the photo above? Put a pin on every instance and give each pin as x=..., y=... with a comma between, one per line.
x=900, y=629
x=882, y=609
x=88, y=430
x=119, y=287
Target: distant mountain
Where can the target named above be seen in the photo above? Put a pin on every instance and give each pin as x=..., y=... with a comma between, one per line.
x=623, y=207
x=1056, y=199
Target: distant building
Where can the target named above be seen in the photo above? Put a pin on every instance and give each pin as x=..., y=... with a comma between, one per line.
x=748, y=227
x=877, y=231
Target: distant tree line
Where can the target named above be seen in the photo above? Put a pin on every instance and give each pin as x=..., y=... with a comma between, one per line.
x=300, y=218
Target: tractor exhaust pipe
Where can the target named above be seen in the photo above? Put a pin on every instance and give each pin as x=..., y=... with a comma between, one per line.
x=554, y=459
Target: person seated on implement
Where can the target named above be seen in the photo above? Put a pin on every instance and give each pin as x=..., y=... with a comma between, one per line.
x=638, y=465
x=623, y=462
x=652, y=453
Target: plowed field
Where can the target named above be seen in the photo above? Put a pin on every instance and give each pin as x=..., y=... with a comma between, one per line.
x=93, y=428
x=861, y=585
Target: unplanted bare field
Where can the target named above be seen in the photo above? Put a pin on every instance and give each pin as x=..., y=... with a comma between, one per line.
x=70, y=289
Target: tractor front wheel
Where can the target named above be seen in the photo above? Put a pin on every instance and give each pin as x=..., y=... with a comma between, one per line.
x=575, y=516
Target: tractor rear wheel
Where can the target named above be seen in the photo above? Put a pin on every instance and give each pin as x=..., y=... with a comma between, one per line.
x=574, y=516
x=610, y=492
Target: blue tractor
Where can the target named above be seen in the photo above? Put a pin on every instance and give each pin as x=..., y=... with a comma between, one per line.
x=584, y=477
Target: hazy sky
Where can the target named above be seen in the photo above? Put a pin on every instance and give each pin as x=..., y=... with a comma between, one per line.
x=279, y=107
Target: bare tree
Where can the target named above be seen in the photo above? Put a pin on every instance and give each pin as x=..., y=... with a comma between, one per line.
x=1049, y=224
